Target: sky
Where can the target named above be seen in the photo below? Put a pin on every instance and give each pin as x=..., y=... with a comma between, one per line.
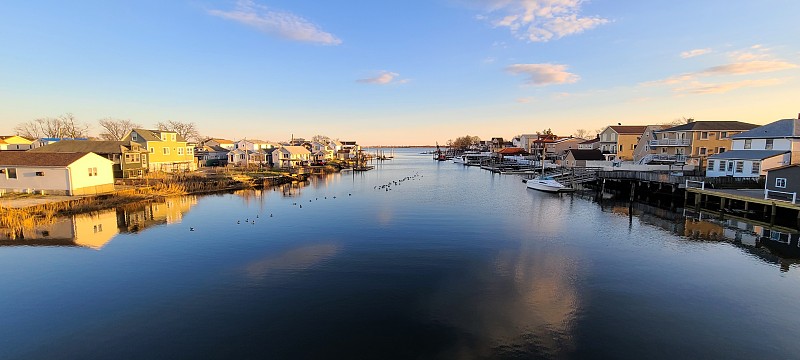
x=410, y=72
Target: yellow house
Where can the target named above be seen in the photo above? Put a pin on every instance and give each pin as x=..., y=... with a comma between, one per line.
x=15, y=142
x=695, y=141
x=618, y=142
x=167, y=150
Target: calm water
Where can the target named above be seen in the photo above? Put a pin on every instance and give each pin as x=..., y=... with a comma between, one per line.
x=452, y=263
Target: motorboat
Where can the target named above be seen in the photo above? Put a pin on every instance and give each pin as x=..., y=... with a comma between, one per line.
x=545, y=183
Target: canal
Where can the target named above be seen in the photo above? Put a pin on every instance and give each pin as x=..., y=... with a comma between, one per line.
x=415, y=259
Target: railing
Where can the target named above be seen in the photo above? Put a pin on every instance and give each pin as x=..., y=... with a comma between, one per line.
x=671, y=142
x=695, y=182
x=782, y=195
x=662, y=157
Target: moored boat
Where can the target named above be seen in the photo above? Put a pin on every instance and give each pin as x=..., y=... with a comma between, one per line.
x=546, y=183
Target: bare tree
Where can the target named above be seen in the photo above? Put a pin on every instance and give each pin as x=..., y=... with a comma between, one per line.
x=678, y=122
x=582, y=133
x=188, y=130
x=116, y=129
x=323, y=139
x=63, y=126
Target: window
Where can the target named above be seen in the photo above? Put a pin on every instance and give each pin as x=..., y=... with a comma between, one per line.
x=152, y=150
x=11, y=173
x=93, y=171
x=165, y=150
x=633, y=146
x=723, y=135
x=721, y=165
x=40, y=173
x=704, y=135
x=189, y=150
x=172, y=137
x=748, y=143
x=780, y=183
x=730, y=166
x=739, y=167
x=720, y=150
x=711, y=165
x=163, y=137
x=768, y=145
x=180, y=151
x=756, y=167
x=620, y=148
x=702, y=151
x=144, y=159
x=134, y=137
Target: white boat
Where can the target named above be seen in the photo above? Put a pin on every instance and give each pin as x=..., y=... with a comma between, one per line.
x=545, y=184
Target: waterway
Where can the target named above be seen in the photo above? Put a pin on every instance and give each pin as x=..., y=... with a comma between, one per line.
x=415, y=259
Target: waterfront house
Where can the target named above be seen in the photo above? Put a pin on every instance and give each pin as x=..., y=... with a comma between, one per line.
x=49, y=140
x=692, y=143
x=755, y=151
x=644, y=154
x=564, y=144
x=223, y=143
x=617, y=142
x=582, y=157
x=129, y=158
x=167, y=151
x=783, y=183
x=15, y=142
x=211, y=155
x=290, y=156
x=254, y=144
x=590, y=144
x=78, y=173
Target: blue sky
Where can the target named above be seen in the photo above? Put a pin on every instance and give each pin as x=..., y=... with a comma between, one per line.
x=399, y=72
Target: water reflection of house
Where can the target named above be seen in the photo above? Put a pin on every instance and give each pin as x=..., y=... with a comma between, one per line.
x=169, y=212
x=88, y=230
x=698, y=229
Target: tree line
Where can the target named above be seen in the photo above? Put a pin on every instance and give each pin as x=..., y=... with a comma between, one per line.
x=67, y=126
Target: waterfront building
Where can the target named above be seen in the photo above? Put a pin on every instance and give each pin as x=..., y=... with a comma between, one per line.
x=582, y=157
x=167, y=151
x=223, y=143
x=49, y=140
x=755, y=151
x=15, y=142
x=783, y=183
x=129, y=158
x=290, y=156
x=77, y=173
x=692, y=143
x=211, y=155
x=590, y=144
x=644, y=154
x=617, y=142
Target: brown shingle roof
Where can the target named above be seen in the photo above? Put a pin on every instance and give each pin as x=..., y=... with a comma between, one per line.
x=27, y=158
x=713, y=125
x=97, y=147
x=629, y=129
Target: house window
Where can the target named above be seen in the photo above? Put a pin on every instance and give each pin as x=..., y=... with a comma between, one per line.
x=723, y=135
x=721, y=165
x=173, y=137
x=40, y=173
x=704, y=135
x=620, y=148
x=134, y=137
x=768, y=145
x=702, y=151
x=165, y=150
x=11, y=173
x=144, y=159
x=720, y=150
x=780, y=183
x=93, y=171
x=189, y=151
x=739, y=167
x=748, y=143
x=180, y=151
x=152, y=150
x=756, y=167
x=711, y=165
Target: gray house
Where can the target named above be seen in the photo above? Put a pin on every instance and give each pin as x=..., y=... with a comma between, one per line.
x=783, y=183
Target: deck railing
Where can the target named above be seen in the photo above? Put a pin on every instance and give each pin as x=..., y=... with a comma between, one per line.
x=671, y=142
x=694, y=184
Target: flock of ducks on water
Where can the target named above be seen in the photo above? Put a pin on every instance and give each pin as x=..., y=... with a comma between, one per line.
x=385, y=187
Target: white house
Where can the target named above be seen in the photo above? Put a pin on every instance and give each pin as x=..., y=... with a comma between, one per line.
x=76, y=173
x=253, y=145
x=755, y=151
x=290, y=156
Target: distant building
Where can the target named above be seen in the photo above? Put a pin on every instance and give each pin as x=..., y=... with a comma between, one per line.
x=617, y=142
x=49, y=140
x=581, y=157
x=590, y=144
x=223, y=143
x=695, y=141
x=290, y=156
x=783, y=183
x=211, y=155
x=55, y=173
x=168, y=151
x=755, y=151
x=15, y=143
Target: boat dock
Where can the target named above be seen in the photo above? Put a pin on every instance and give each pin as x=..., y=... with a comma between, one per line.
x=750, y=204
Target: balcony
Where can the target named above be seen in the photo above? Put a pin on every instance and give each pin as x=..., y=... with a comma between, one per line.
x=670, y=142
x=663, y=159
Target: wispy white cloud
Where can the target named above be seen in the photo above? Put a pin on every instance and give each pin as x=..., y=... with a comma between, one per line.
x=705, y=88
x=383, y=78
x=524, y=100
x=544, y=74
x=539, y=20
x=695, y=52
x=276, y=22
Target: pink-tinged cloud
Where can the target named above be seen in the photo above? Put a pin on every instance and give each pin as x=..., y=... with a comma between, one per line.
x=544, y=74
x=695, y=52
x=704, y=88
x=383, y=78
x=277, y=23
x=749, y=67
x=540, y=20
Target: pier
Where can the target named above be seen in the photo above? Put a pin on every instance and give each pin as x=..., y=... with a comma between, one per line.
x=751, y=204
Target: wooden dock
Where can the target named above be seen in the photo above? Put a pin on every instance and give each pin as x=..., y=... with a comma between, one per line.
x=750, y=204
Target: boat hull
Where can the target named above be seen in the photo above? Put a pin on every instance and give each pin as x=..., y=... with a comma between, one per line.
x=545, y=185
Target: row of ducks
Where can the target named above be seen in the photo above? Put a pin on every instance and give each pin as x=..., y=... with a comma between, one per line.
x=388, y=186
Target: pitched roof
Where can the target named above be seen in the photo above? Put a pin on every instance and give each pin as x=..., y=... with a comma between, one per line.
x=629, y=129
x=783, y=167
x=155, y=135
x=778, y=129
x=586, y=154
x=591, y=141
x=98, y=147
x=747, y=154
x=712, y=125
x=221, y=141
x=295, y=150
x=27, y=158
x=511, y=151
